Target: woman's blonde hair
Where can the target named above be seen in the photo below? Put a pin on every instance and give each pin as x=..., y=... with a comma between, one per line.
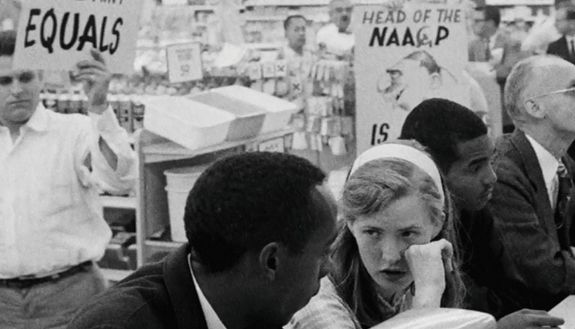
x=370, y=189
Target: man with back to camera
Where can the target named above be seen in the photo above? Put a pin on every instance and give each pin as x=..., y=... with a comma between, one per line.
x=532, y=203
x=457, y=139
x=52, y=167
x=259, y=227
x=335, y=37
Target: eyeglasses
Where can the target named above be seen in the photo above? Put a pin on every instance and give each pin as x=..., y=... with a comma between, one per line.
x=570, y=91
x=23, y=77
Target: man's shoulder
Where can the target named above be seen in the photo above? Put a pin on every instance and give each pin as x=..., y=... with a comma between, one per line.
x=139, y=301
x=509, y=158
x=553, y=45
x=69, y=121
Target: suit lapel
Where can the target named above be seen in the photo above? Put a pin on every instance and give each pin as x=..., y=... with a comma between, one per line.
x=182, y=292
x=532, y=169
x=570, y=213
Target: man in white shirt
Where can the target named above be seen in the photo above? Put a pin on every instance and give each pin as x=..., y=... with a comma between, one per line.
x=52, y=167
x=259, y=227
x=532, y=203
x=295, y=33
x=336, y=38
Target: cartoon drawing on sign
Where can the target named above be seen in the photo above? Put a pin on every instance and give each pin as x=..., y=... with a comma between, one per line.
x=413, y=79
x=403, y=57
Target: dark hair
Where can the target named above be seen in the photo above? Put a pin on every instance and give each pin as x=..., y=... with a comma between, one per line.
x=570, y=13
x=440, y=125
x=7, y=42
x=288, y=20
x=426, y=60
x=491, y=14
x=370, y=189
x=248, y=200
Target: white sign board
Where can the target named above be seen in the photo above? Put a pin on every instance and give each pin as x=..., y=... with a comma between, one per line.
x=56, y=34
x=402, y=57
x=184, y=62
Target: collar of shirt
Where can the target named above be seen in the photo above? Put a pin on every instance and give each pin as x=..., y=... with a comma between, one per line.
x=569, y=38
x=39, y=120
x=212, y=319
x=548, y=164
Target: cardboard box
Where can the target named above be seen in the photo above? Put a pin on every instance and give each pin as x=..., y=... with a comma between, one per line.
x=277, y=111
x=191, y=124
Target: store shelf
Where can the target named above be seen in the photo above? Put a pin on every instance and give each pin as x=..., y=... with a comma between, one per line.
x=163, y=245
x=118, y=202
x=168, y=151
x=114, y=275
x=273, y=18
x=288, y=3
x=519, y=2
x=281, y=18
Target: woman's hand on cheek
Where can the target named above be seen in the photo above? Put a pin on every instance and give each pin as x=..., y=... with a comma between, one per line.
x=426, y=263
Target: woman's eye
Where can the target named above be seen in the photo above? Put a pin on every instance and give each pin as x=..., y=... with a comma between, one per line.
x=372, y=233
x=408, y=234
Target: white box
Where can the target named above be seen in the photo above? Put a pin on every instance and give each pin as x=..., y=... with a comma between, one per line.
x=191, y=124
x=278, y=111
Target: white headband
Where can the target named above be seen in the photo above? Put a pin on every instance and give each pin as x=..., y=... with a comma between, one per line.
x=403, y=152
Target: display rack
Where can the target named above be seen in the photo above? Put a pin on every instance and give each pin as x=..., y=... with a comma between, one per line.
x=157, y=154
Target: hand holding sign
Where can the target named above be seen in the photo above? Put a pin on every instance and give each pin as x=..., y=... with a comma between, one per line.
x=96, y=79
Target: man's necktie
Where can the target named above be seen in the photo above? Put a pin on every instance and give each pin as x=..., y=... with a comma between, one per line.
x=571, y=48
x=563, y=195
x=487, y=49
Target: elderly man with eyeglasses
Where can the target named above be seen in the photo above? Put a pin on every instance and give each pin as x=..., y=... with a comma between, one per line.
x=532, y=201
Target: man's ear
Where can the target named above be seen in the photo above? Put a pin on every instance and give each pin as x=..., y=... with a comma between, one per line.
x=436, y=81
x=269, y=260
x=534, y=109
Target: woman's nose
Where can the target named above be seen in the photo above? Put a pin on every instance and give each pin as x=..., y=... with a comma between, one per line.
x=392, y=251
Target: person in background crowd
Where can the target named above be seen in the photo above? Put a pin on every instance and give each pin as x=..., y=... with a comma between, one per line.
x=295, y=32
x=488, y=44
x=259, y=227
x=52, y=167
x=393, y=250
x=544, y=31
x=531, y=203
x=457, y=140
x=500, y=48
x=336, y=37
x=564, y=46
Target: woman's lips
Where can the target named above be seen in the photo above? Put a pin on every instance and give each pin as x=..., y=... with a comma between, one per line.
x=393, y=275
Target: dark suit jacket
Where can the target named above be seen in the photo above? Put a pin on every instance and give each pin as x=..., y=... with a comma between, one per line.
x=482, y=266
x=156, y=296
x=559, y=48
x=536, y=256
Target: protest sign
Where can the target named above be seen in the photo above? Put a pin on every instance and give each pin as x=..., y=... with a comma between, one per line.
x=402, y=57
x=55, y=34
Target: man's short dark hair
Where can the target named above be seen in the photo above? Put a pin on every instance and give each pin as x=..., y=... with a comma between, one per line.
x=288, y=20
x=491, y=13
x=7, y=42
x=440, y=125
x=246, y=201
